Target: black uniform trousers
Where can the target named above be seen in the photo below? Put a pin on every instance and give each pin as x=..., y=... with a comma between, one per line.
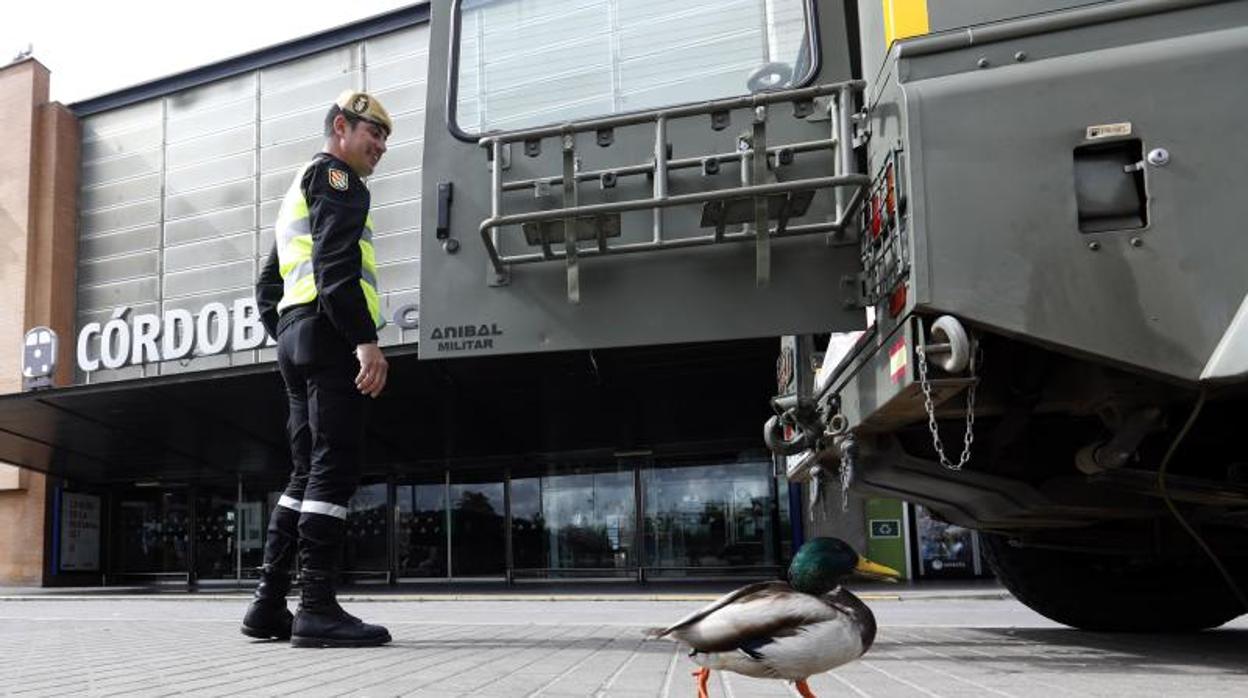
x=326, y=431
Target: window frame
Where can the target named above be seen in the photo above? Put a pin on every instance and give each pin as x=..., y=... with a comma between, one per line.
x=452, y=76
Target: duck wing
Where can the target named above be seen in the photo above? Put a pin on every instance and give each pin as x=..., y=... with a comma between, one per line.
x=748, y=590
x=844, y=601
x=798, y=651
x=750, y=615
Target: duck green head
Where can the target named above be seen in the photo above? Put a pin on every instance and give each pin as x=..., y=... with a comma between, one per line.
x=821, y=564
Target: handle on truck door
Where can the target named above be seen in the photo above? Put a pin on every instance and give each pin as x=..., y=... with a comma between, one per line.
x=446, y=193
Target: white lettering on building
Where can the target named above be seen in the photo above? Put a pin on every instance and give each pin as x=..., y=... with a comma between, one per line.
x=177, y=334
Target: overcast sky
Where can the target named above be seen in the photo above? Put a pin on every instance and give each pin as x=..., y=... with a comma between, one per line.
x=97, y=47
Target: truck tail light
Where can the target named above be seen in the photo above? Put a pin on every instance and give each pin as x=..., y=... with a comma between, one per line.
x=897, y=301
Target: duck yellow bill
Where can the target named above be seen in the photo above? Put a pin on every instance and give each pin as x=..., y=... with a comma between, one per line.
x=874, y=570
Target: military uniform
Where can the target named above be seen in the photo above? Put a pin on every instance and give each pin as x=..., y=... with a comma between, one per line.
x=317, y=295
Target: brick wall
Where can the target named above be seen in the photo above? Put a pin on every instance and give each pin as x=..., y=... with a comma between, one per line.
x=38, y=199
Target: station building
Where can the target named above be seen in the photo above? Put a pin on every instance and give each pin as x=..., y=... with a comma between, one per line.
x=151, y=449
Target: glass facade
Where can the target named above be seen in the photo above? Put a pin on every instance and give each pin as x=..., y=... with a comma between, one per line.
x=179, y=193
x=624, y=518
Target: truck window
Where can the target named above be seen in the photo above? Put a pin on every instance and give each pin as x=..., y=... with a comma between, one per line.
x=526, y=63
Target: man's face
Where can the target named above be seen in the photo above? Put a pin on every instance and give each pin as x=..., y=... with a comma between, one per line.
x=361, y=144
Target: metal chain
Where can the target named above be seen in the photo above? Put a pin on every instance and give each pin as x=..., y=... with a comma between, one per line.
x=968, y=437
x=816, y=488
x=847, y=477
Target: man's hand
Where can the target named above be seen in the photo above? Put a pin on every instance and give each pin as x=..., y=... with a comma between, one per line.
x=373, y=368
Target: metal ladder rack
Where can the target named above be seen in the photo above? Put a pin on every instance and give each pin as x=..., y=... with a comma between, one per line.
x=753, y=202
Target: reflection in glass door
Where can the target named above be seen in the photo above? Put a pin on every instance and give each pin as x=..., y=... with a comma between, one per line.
x=528, y=525
x=216, y=554
x=421, y=544
x=585, y=523
x=365, y=549
x=254, y=510
x=153, y=532
x=709, y=516
x=477, y=543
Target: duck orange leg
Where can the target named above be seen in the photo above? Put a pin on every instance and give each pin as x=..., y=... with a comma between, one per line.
x=803, y=689
x=703, y=675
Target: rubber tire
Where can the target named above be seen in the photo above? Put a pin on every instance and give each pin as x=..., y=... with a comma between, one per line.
x=1112, y=593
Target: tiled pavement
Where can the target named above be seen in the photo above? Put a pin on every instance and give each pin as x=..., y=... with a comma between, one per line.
x=935, y=647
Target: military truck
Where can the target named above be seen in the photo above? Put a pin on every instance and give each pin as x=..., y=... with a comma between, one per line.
x=1027, y=209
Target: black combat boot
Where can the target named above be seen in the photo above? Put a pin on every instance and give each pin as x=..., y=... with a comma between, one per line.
x=267, y=617
x=321, y=622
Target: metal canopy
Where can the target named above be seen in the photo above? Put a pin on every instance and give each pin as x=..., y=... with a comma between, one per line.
x=215, y=426
x=171, y=428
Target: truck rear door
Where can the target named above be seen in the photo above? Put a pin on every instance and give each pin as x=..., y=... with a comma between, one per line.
x=590, y=176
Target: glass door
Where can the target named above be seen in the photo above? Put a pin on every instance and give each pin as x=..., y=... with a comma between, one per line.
x=709, y=516
x=576, y=523
x=254, y=509
x=153, y=528
x=421, y=541
x=216, y=534
x=477, y=518
x=528, y=525
x=366, y=534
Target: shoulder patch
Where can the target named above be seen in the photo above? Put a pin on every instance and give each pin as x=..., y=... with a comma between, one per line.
x=338, y=179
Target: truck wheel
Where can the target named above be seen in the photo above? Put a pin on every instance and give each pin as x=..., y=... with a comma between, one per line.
x=1112, y=593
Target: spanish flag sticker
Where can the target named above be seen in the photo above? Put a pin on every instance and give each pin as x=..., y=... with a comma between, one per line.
x=338, y=179
x=897, y=361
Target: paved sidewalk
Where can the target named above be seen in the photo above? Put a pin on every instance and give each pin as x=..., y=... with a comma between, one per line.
x=935, y=647
x=524, y=591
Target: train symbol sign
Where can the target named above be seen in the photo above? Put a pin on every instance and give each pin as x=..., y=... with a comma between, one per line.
x=38, y=358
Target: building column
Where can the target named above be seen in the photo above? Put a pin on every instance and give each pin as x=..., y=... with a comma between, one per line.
x=38, y=217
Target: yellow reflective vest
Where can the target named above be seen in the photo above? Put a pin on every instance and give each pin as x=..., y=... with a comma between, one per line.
x=293, y=238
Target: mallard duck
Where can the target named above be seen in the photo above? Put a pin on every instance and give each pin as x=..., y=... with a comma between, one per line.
x=786, y=630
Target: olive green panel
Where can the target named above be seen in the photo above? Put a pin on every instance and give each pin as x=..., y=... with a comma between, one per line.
x=1013, y=197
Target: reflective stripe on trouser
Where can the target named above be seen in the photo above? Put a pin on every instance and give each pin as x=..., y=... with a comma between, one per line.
x=324, y=509
x=326, y=429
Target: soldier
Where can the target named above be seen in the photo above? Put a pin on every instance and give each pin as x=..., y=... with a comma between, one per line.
x=317, y=295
